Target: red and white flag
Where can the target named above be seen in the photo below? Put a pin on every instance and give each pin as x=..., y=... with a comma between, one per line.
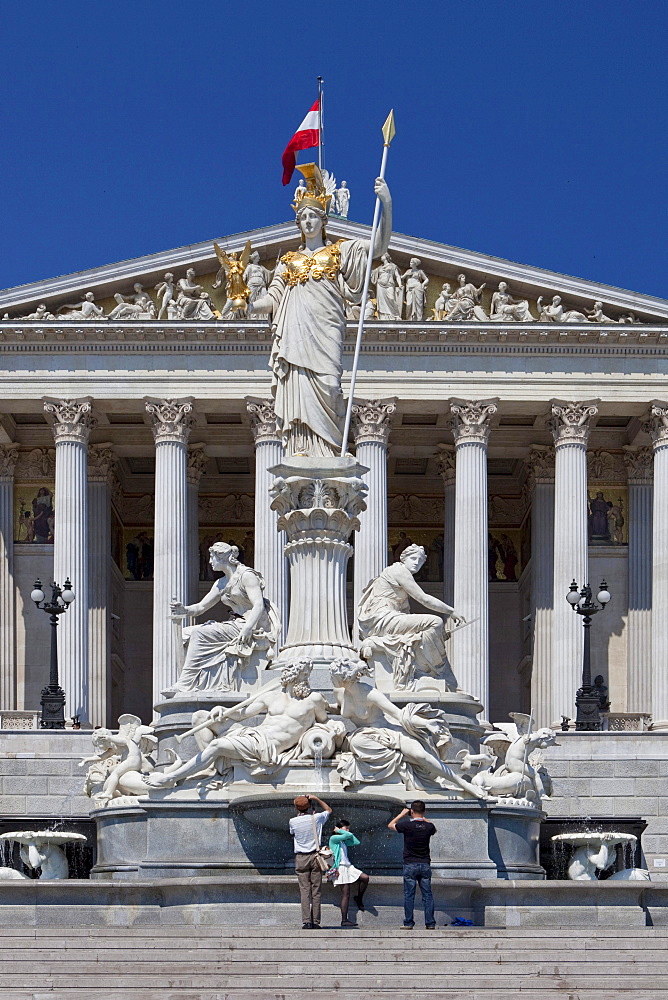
x=306, y=136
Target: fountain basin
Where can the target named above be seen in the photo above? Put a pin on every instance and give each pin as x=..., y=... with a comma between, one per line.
x=594, y=851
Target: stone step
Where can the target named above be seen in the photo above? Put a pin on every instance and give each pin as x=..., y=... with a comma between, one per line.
x=287, y=993
x=141, y=932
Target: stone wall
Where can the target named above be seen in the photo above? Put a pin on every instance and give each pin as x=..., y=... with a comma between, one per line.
x=39, y=777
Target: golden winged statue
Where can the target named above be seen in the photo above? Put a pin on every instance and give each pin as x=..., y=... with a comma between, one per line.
x=233, y=267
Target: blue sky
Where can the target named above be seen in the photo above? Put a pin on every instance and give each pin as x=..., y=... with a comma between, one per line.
x=534, y=131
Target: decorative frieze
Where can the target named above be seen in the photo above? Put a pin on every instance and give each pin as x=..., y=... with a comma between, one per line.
x=262, y=419
x=540, y=465
x=372, y=420
x=40, y=463
x=71, y=419
x=570, y=422
x=470, y=420
x=9, y=454
x=639, y=462
x=171, y=419
x=605, y=465
x=406, y=508
x=196, y=464
x=101, y=464
x=657, y=424
x=446, y=463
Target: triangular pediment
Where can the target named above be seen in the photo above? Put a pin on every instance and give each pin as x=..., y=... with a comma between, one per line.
x=440, y=262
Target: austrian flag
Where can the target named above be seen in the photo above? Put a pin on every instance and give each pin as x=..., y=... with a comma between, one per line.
x=306, y=136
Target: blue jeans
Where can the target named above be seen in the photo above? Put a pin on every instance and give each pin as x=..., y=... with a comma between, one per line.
x=418, y=874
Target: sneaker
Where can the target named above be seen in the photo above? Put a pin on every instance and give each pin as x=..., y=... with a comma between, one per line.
x=359, y=903
x=408, y=927
x=430, y=927
x=316, y=927
x=348, y=923
x=307, y=926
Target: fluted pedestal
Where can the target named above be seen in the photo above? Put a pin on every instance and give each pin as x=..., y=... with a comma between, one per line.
x=371, y=423
x=639, y=622
x=196, y=467
x=270, y=543
x=470, y=425
x=658, y=428
x=541, y=481
x=8, y=457
x=446, y=469
x=171, y=424
x=318, y=501
x=570, y=425
x=72, y=422
x=101, y=462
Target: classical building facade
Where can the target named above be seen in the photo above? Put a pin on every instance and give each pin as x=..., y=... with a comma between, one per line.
x=523, y=441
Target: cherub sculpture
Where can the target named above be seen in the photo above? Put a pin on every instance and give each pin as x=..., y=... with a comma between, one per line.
x=232, y=270
x=516, y=763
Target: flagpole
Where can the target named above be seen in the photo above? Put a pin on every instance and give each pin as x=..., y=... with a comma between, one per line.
x=321, y=157
x=388, y=135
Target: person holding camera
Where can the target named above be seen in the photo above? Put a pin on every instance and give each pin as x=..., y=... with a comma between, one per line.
x=306, y=829
x=347, y=874
x=417, y=832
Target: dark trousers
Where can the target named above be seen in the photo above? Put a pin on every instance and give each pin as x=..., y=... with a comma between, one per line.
x=309, y=877
x=414, y=875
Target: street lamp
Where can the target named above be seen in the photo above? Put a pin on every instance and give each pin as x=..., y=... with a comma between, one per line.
x=588, y=698
x=53, y=697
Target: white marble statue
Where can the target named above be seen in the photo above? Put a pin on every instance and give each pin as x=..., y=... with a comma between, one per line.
x=40, y=313
x=596, y=315
x=290, y=710
x=519, y=770
x=192, y=301
x=120, y=762
x=464, y=304
x=300, y=190
x=389, y=288
x=505, y=308
x=555, y=312
x=140, y=305
x=596, y=850
x=416, y=282
x=306, y=300
x=413, y=644
x=41, y=849
x=219, y=655
x=408, y=742
x=257, y=278
x=343, y=200
x=82, y=310
x=166, y=292
x=442, y=303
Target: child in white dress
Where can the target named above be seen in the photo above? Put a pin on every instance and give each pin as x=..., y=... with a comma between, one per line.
x=348, y=875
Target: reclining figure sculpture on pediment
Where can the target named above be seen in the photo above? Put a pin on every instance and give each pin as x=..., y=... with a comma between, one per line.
x=404, y=647
x=555, y=312
x=220, y=655
x=139, y=306
x=388, y=741
x=506, y=309
x=82, y=310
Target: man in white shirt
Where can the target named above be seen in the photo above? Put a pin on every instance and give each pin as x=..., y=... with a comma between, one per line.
x=306, y=829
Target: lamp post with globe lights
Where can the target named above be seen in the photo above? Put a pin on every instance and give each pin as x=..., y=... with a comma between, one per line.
x=588, y=698
x=52, y=701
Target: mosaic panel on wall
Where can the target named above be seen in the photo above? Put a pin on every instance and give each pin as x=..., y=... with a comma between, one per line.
x=505, y=555
x=137, y=553
x=607, y=514
x=243, y=538
x=34, y=512
x=432, y=541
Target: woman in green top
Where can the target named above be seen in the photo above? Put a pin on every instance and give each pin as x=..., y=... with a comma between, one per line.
x=348, y=875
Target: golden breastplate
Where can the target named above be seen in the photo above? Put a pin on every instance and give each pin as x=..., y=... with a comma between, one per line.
x=324, y=263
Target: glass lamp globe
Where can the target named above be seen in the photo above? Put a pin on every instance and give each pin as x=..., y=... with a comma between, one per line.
x=603, y=595
x=573, y=597
x=37, y=594
x=67, y=594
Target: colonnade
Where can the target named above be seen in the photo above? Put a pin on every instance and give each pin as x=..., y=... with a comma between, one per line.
x=556, y=479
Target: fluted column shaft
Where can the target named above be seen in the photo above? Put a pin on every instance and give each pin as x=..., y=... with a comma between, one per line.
x=171, y=424
x=8, y=456
x=371, y=424
x=101, y=461
x=446, y=468
x=639, y=622
x=197, y=464
x=72, y=422
x=470, y=425
x=658, y=428
x=570, y=425
x=270, y=543
x=541, y=463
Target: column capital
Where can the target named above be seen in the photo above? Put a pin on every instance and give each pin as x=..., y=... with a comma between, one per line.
x=262, y=418
x=570, y=422
x=639, y=462
x=470, y=419
x=372, y=419
x=70, y=419
x=101, y=463
x=9, y=454
x=196, y=463
x=445, y=463
x=540, y=464
x=656, y=424
x=171, y=419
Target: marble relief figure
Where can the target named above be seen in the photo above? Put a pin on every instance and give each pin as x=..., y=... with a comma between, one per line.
x=555, y=312
x=413, y=643
x=389, y=289
x=218, y=653
x=306, y=301
x=505, y=308
x=82, y=310
x=416, y=282
x=464, y=304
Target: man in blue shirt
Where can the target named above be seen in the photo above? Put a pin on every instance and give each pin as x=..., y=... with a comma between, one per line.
x=417, y=832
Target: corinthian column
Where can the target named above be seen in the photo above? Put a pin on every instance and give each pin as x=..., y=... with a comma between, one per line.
x=446, y=470
x=197, y=463
x=541, y=484
x=72, y=421
x=470, y=422
x=270, y=543
x=101, y=463
x=658, y=429
x=570, y=425
x=171, y=422
x=8, y=456
x=638, y=624
x=371, y=423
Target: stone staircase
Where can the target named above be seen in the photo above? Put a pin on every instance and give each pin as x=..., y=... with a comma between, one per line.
x=190, y=962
